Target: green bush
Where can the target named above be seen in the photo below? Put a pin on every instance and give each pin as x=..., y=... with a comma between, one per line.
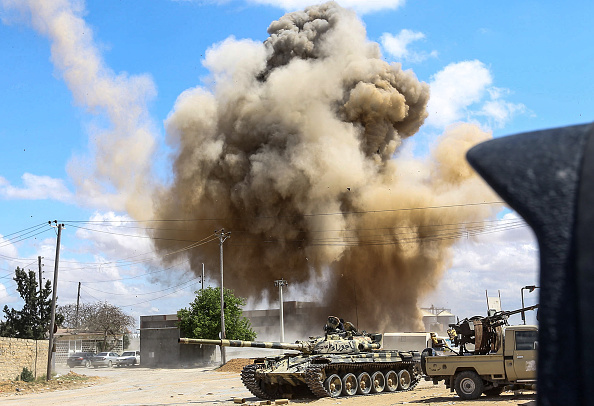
x=27, y=376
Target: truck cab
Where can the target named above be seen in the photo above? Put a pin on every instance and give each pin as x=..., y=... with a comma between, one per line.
x=520, y=352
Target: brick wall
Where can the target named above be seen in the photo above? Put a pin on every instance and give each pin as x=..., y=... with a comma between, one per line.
x=17, y=353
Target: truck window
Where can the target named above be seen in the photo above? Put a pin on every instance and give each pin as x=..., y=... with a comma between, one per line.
x=525, y=340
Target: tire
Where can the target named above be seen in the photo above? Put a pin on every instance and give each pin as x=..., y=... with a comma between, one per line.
x=468, y=385
x=391, y=381
x=427, y=352
x=378, y=382
x=87, y=364
x=333, y=385
x=109, y=364
x=404, y=379
x=364, y=383
x=349, y=385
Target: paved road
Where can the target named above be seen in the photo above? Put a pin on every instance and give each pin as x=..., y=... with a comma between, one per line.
x=143, y=386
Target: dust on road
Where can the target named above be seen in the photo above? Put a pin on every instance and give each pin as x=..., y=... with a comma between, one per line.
x=207, y=386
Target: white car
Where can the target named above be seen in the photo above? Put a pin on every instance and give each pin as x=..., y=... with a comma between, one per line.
x=129, y=358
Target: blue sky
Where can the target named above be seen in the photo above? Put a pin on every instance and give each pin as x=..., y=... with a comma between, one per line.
x=507, y=68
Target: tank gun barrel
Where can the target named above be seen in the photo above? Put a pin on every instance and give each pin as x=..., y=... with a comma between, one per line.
x=241, y=343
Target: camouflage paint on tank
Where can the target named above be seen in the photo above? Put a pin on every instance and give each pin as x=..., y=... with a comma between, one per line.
x=317, y=359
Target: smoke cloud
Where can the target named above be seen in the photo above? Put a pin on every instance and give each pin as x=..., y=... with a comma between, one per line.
x=293, y=148
x=116, y=176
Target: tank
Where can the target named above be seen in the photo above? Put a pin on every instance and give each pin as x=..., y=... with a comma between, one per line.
x=332, y=365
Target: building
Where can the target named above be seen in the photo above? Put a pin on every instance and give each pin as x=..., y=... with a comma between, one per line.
x=71, y=341
x=159, y=346
x=437, y=319
x=300, y=321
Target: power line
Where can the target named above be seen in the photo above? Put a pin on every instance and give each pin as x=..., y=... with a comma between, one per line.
x=146, y=293
x=26, y=229
x=11, y=242
x=290, y=216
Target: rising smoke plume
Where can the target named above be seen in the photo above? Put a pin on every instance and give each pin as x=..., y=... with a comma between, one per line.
x=117, y=174
x=292, y=149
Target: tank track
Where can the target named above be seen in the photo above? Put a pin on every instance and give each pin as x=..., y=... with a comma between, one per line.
x=315, y=381
x=248, y=377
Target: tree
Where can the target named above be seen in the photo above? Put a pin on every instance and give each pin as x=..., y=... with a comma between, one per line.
x=203, y=318
x=98, y=317
x=33, y=320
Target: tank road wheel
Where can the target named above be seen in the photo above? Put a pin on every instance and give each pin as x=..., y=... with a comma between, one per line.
x=468, y=385
x=391, y=381
x=364, y=383
x=333, y=385
x=378, y=382
x=404, y=379
x=349, y=385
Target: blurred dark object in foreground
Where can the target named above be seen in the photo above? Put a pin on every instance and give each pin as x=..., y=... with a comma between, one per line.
x=548, y=178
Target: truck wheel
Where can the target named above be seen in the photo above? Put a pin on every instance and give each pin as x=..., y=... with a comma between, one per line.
x=427, y=352
x=468, y=385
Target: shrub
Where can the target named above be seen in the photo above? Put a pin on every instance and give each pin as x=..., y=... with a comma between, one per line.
x=26, y=375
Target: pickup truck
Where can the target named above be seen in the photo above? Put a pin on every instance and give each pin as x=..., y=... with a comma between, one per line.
x=511, y=364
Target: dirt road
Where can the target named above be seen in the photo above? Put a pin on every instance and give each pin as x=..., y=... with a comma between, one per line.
x=143, y=386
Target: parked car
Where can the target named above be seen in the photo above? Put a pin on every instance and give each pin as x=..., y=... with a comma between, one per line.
x=107, y=359
x=129, y=358
x=80, y=359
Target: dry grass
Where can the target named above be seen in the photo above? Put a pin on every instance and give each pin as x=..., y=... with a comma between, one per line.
x=69, y=381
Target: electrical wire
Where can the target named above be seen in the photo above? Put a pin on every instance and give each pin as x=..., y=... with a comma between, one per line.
x=292, y=216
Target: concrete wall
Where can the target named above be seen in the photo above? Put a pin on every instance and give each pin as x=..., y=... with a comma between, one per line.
x=159, y=346
x=17, y=353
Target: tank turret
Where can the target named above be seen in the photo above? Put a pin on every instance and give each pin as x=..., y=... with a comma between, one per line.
x=343, y=362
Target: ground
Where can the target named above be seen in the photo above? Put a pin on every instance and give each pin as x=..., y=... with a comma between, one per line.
x=208, y=386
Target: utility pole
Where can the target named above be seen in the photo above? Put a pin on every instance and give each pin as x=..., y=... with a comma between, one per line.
x=77, y=301
x=202, y=279
x=54, y=294
x=222, y=237
x=40, y=285
x=280, y=283
x=40, y=277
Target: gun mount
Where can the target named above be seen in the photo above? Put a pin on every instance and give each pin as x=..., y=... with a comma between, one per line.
x=484, y=332
x=340, y=363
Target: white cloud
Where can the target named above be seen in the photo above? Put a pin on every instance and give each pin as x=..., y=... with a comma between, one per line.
x=36, y=187
x=497, y=262
x=397, y=46
x=464, y=91
x=361, y=6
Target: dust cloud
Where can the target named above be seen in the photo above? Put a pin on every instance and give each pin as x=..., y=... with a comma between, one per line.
x=293, y=148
